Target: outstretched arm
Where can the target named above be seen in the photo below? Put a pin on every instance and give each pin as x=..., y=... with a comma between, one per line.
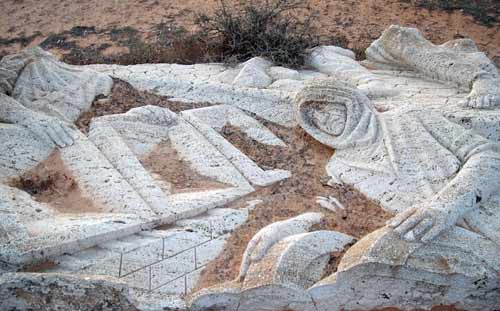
x=476, y=181
x=469, y=69
x=48, y=128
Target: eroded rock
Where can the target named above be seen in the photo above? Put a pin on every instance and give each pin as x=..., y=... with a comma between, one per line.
x=34, y=291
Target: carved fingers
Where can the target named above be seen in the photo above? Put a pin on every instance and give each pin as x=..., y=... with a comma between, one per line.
x=423, y=223
x=52, y=129
x=488, y=101
x=399, y=218
x=485, y=93
x=258, y=247
x=330, y=203
x=247, y=256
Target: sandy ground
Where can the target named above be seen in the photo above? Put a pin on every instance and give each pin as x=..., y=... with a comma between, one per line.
x=51, y=182
x=124, y=97
x=174, y=173
x=306, y=159
x=29, y=22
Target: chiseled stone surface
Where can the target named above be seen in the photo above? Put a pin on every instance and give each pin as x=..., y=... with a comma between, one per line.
x=167, y=261
x=268, y=236
x=35, y=291
x=211, y=120
x=42, y=83
x=440, y=178
x=124, y=138
x=415, y=128
x=423, y=156
x=457, y=62
x=279, y=279
x=340, y=63
x=211, y=83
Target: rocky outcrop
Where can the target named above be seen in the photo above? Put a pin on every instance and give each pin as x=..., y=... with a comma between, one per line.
x=34, y=291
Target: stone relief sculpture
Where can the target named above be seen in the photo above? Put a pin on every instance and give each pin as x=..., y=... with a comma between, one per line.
x=45, y=96
x=270, y=235
x=280, y=262
x=440, y=179
x=341, y=63
x=39, y=99
x=40, y=82
x=457, y=61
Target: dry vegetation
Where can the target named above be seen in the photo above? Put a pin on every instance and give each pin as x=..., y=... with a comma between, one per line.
x=96, y=32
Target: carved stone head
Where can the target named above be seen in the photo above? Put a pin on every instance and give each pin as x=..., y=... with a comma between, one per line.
x=336, y=113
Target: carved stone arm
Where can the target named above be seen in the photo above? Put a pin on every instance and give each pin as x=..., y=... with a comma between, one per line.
x=46, y=127
x=477, y=179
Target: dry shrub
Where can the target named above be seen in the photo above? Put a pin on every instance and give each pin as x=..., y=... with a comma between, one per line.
x=280, y=30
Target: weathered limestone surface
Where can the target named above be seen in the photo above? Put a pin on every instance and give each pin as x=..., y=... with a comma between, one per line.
x=279, y=264
x=164, y=262
x=32, y=231
x=341, y=63
x=401, y=133
x=270, y=235
x=212, y=83
x=105, y=166
x=210, y=122
x=27, y=291
x=458, y=62
x=40, y=82
x=443, y=182
x=390, y=89
x=125, y=138
x=422, y=156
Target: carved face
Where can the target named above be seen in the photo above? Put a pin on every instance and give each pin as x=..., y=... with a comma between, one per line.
x=330, y=118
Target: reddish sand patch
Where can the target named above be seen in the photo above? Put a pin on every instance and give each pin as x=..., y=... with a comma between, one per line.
x=306, y=159
x=29, y=22
x=52, y=183
x=165, y=164
x=124, y=97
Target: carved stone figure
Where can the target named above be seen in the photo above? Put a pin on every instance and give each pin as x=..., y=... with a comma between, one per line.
x=441, y=180
x=280, y=262
x=341, y=63
x=40, y=82
x=34, y=122
x=457, y=61
x=259, y=245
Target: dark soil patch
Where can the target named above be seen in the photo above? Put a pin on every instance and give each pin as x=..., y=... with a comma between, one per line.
x=306, y=159
x=165, y=163
x=40, y=266
x=124, y=97
x=52, y=183
x=22, y=41
x=262, y=154
x=83, y=45
x=486, y=12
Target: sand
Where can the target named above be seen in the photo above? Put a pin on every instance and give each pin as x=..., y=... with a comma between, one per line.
x=29, y=22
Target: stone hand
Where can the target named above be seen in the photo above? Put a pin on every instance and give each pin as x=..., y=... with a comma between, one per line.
x=50, y=128
x=426, y=221
x=423, y=223
x=485, y=94
x=268, y=236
